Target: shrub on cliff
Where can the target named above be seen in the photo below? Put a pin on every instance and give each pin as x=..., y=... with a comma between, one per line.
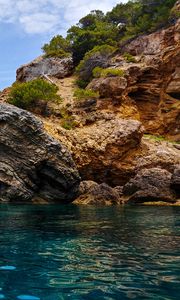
x=30, y=94
x=129, y=58
x=82, y=94
x=57, y=47
x=97, y=57
x=100, y=72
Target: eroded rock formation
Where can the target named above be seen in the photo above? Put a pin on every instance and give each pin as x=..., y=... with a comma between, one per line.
x=113, y=152
x=31, y=162
x=51, y=66
x=151, y=84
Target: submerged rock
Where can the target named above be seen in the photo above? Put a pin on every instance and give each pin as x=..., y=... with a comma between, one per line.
x=31, y=162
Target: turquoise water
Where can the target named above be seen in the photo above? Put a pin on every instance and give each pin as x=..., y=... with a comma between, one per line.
x=69, y=252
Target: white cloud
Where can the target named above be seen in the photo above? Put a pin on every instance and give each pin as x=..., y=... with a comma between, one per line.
x=39, y=22
x=49, y=16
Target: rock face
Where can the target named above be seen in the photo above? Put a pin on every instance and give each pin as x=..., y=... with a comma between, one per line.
x=51, y=66
x=31, y=162
x=154, y=43
x=175, y=181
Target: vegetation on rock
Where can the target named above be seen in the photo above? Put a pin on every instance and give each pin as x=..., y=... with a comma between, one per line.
x=97, y=57
x=29, y=94
x=100, y=72
x=92, y=30
x=82, y=94
x=129, y=58
x=67, y=120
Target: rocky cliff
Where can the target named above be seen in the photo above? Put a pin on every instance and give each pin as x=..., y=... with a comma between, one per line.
x=116, y=161
x=150, y=88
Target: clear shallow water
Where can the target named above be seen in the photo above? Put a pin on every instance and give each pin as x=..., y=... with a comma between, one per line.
x=70, y=252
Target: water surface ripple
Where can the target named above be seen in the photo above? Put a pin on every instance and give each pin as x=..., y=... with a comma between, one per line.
x=56, y=252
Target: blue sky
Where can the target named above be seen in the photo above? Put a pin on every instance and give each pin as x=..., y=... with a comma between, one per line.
x=25, y=25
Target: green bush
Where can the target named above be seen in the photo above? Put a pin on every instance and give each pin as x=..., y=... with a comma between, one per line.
x=81, y=94
x=68, y=124
x=27, y=95
x=81, y=83
x=58, y=47
x=97, y=71
x=100, y=72
x=67, y=120
x=129, y=58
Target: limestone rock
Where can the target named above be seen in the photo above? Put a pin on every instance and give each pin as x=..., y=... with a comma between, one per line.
x=173, y=87
x=51, y=66
x=31, y=162
x=150, y=185
x=108, y=87
x=100, y=148
x=154, y=43
x=155, y=153
x=92, y=193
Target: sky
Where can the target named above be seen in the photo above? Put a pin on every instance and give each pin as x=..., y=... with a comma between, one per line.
x=25, y=25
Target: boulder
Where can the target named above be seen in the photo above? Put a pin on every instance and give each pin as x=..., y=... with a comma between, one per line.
x=31, y=162
x=150, y=185
x=42, y=66
x=91, y=193
x=108, y=87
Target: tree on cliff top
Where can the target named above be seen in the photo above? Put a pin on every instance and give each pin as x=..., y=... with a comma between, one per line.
x=57, y=47
x=123, y=22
